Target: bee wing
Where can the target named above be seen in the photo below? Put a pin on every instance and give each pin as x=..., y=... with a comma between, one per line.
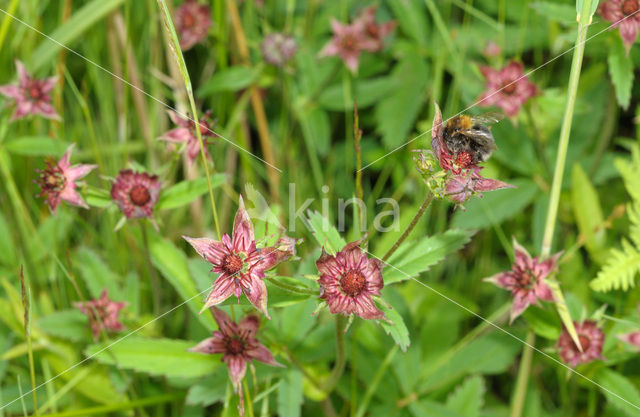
x=488, y=118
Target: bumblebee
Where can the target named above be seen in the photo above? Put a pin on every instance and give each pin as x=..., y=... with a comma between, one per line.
x=469, y=139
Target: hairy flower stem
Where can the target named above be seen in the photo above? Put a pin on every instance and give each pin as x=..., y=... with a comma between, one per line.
x=341, y=358
x=409, y=228
x=584, y=18
x=175, y=47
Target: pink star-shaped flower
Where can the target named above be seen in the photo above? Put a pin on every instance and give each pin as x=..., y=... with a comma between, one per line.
x=57, y=181
x=507, y=88
x=241, y=265
x=373, y=30
x=186, y=133
x=349, y=279
x=348, y=42
x=31, y=95
x=102, y=313
x=526, y=280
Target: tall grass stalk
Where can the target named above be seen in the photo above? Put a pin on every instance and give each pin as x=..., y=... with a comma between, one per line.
x=175, y=47
x=584, y=19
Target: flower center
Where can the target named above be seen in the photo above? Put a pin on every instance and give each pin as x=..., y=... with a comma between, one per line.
x=372, y=30
x=235, y=346
x=35, y=92
x=52, y=179
x=509, y=88
x=349, y=42
x=585, y=342
x=139, y=195
x=525, y=278
x=353, y=283
x=232, y=264
x=629, y=7
x=189, y=20
x=464, y=159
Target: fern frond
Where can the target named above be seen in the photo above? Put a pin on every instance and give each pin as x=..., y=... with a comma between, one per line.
x=619, y=272
x=629, y=172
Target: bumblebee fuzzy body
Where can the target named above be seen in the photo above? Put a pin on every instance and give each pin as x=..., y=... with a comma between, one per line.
x=469, y=139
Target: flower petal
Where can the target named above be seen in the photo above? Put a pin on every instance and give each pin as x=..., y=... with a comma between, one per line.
x=262, y=354
x=256, y=292
x=225, y=324
x=210, y=345
x=243, y=237
x=222, y=289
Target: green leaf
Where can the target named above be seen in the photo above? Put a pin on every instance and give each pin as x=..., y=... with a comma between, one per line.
x=586, y=208
x=290, y=394
x=544, y=322
x=187, y=191
x=621, y=72
x=211, y=389
x=229, y=79
x=496, y=206
x=7, y=248
x=412, y=258
x=325, y=233
x=618, y=386
x=172, y=264
x=554, y=11
x=86, y=17
x=620, y=270
x=97, y=275
x=315, y=128
x=36, y=146
x=98, y=198
x=156, y=357
x=396, y=114
x=468, y=398
x=368, y=92
x=396, y=329
x=411, y=15
x=432, y=409
x=68, y=324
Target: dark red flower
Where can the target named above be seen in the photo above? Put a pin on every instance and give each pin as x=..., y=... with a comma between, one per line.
x=136, y=193
x=102, y=313
x=591, y=339
x=57, y=181
x=507, y=88
x=31, y=95
x=625, y=15
x=186, y=133
x=241, y=265
x=348, y=280
x=192, y=21
x=526, y=280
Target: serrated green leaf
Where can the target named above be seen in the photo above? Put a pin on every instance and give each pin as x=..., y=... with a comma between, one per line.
x=68, y=324
x=186, y=191
x=468, y=397
x=156, y=357
x=211, y=389
x=586, y=208
x=396, y=329
x=325, y=233
x=412, y=258
x=290, y=394
x=36, y=146
x=229, y=79
x=621, y=72
x=618, y=389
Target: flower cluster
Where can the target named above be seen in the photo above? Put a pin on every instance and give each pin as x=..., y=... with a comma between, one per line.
x=364, y=34
x=591, y=340
x=31, y=95
x=136, y=193
x=625, y=15
x=277, y=49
